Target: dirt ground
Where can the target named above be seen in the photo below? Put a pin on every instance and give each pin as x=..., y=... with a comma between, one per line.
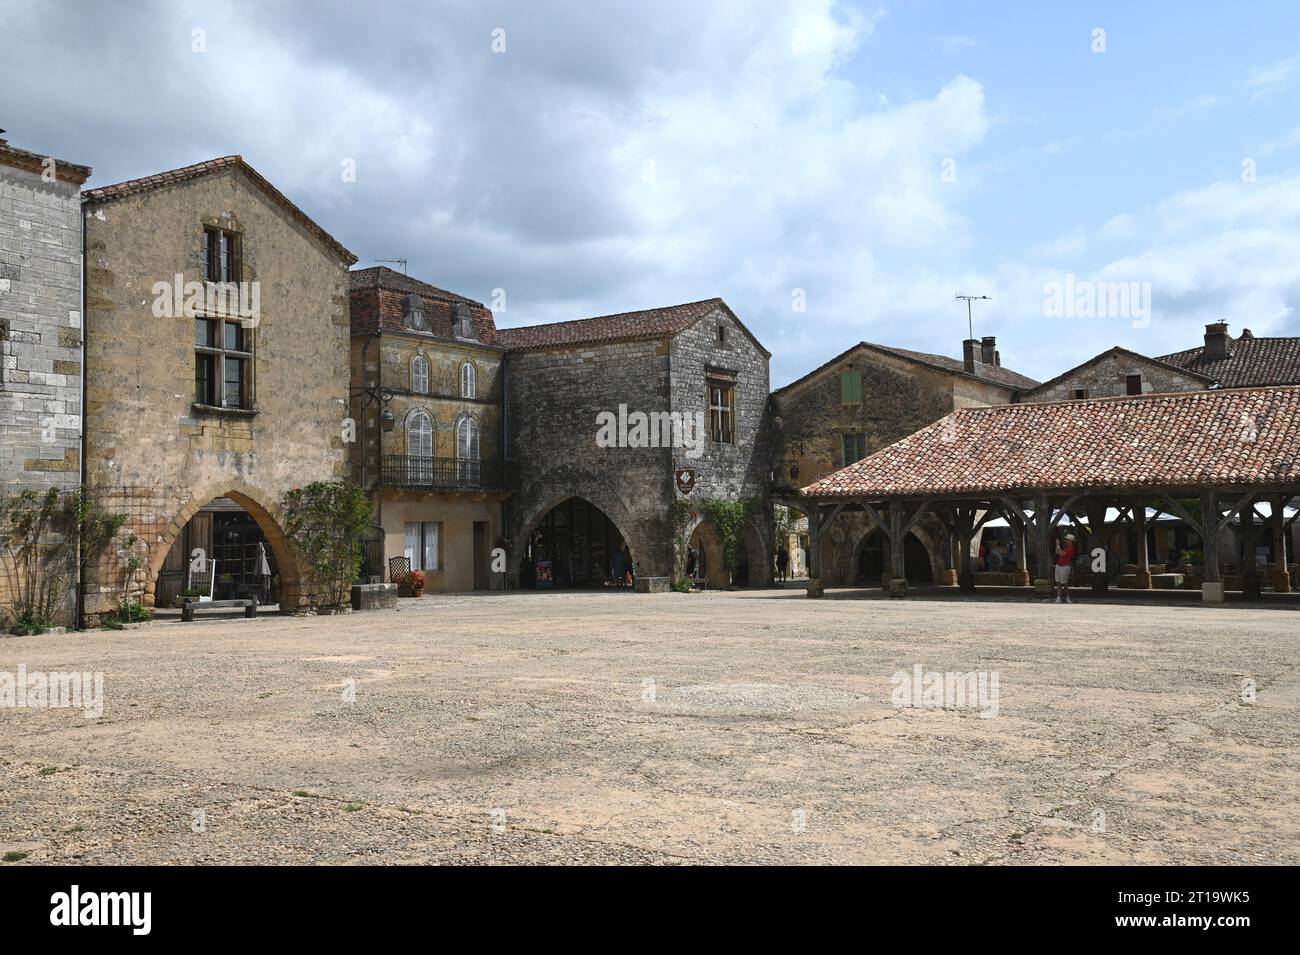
x=743, y=727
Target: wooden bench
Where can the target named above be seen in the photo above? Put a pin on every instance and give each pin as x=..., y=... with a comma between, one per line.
x=248, y=603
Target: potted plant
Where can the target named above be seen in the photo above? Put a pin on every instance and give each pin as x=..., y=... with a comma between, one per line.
x=417, y=583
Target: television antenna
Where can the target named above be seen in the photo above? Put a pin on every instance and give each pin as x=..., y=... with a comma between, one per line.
x=970, y=323
x=401, y=262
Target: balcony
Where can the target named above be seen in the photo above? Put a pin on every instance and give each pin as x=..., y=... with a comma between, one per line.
x=444, y=474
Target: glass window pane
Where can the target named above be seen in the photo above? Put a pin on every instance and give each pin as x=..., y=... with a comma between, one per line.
x=412, y=550
x=431, y=546
x=203, y=379
x=234, y=381
x=203, y=332
x=234, y=337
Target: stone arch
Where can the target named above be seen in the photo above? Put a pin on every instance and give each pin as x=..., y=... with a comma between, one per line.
x=757, y=556
x=615, y=511
x=268, y=516
x=923, y=537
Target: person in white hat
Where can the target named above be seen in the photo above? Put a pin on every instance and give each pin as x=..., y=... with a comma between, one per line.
x=1064, y=564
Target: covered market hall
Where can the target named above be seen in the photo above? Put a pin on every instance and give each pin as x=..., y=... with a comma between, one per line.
x=1215, y=470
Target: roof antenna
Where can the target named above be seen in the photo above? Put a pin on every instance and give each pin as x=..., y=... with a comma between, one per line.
x=401, y=262
x=970, y=323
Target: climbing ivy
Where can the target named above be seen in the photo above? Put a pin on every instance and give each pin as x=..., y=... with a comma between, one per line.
x=728, y=517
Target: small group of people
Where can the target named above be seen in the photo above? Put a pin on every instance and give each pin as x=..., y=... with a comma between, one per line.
x=622, y=574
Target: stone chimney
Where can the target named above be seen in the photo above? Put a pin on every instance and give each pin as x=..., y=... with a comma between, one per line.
x=970, y=355
x=1217, y=341
x=989, y=350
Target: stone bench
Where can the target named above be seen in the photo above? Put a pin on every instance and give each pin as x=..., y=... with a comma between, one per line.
x=248, y=603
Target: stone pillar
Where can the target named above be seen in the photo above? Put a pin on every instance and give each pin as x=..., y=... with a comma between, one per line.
x=1143, y=558
x=949, y=575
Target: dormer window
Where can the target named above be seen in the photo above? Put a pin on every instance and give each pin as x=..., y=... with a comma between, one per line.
x=464, y=325
x=414, y=315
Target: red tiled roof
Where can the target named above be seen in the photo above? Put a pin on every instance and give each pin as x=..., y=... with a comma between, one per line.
x=1238, y=437
x=993, y=374
x=379, y=298
x=646, y=324
x=1250, y=362
x=171, y=177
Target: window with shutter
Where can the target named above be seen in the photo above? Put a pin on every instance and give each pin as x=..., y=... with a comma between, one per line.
x=419, y=435
x=851, y=388
x=420, y=375
x=468, y=380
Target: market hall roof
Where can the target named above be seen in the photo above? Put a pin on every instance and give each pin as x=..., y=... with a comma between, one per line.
x=643, y=325
x=1197, y=439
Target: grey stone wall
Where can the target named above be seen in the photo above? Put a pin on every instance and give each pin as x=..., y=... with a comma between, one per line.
x=1108, y=378
x=40, y=319
x=553, y=398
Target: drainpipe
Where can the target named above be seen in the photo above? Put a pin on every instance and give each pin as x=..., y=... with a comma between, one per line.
x=365, y=416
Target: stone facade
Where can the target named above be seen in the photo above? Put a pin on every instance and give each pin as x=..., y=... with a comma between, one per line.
x=40, y=325
x=155, y=447
x=1108, y=376
x=450, y=485
x=555, y=393
x=40, y=320
x=823, y=424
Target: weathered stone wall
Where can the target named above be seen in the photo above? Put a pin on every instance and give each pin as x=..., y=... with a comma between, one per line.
x=1108, y=378
x=40, y=331
x=147, y=441
x=729, y=471
x=553, y=398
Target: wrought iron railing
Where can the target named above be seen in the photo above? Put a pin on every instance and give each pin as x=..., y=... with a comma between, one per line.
x=405, y=470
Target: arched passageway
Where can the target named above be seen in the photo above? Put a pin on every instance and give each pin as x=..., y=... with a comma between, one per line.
x=873, y=560
x=706, y=563
x=574, y=544
x=225, y=545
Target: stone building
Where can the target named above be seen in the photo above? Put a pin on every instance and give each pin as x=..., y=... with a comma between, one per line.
x=40, y=324
x=603, y=413
x=427, y=388
x=860, y=401
x=217, y=372
x=1115, y=372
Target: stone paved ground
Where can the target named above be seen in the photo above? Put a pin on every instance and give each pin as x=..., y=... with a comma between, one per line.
x=770, y=709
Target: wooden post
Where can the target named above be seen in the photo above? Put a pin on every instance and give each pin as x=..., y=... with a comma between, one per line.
x=1281, y=573
x=1143, y=557
x=965, y=523
x=1097, y=521
x=1021, y=573
x=1250, y=582
x=897, y=566
x=815, y=551
x=1042, y=535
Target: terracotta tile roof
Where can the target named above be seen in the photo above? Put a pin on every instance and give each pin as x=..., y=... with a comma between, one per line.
x=1236, y=437
x=1116, y=351
x=379, y=295
x=133, y=187
x=68, y=172
x=993, y=374
x=1251, y=361
x=650, y=323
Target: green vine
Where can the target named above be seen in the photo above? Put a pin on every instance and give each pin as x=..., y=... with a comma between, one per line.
x=728, y=518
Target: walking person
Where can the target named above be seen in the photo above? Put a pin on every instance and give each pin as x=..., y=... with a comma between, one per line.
x=782, y=562
x=1064, y=565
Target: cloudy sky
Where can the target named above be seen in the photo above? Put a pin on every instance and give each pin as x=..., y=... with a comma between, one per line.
x=867, y=161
